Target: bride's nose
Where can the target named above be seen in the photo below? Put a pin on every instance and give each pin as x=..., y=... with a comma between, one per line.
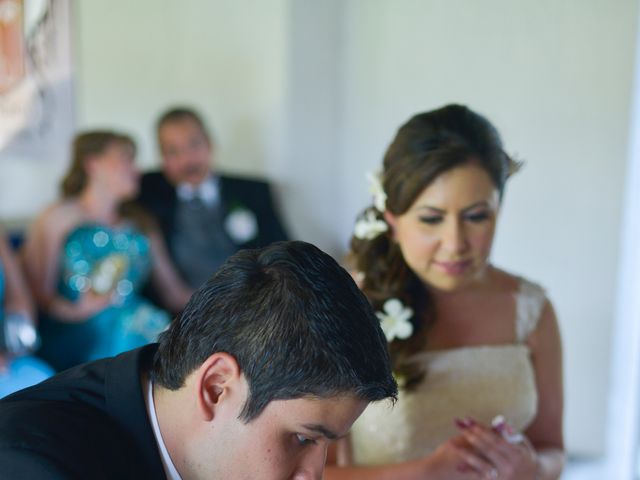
x=453, y=239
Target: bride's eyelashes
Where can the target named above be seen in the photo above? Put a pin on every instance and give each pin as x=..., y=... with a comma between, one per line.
x=431, y=220
x=475, y=217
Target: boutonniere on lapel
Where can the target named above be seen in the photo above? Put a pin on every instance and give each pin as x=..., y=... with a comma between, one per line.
x=241, y=224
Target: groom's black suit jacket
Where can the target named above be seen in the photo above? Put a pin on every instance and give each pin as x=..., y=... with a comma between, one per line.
x=89, y=422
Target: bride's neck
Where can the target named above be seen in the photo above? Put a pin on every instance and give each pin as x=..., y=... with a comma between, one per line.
x=484, y=280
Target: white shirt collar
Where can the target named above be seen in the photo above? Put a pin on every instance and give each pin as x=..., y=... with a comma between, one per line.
x=167, y=463
x=208, y=191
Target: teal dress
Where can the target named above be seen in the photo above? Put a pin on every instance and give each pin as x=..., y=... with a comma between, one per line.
x=21, y=372
x=109, y=261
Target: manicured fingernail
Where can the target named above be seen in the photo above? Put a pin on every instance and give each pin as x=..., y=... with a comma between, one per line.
x=462, y=423
x=498, y=424
x=470, y=421
x=513, y=438
x=498, y=421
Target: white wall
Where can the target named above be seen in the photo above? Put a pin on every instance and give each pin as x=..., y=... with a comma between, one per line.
x=308, y=169
x=226, y=58
x=555, y=77
x=623, y=446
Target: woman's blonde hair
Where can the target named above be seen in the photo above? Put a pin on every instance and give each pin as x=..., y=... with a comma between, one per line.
x=85, y=146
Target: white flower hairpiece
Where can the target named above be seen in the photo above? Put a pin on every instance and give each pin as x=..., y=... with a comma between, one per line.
x=395, y=320
x=377, y=190
x=369, y=227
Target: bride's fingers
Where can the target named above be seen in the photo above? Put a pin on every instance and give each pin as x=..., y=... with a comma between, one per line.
x=490, y=445
x=511, y=461
x=475, y=462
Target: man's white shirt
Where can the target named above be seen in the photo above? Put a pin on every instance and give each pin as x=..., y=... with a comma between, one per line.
x=208, y=191
x=167, y=463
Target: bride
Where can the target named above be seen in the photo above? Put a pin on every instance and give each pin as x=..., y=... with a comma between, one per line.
x=476, y=349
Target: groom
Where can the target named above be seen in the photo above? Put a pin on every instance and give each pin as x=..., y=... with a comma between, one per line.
x=272, y=358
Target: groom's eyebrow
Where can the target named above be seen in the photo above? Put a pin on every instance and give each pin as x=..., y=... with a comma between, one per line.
x=323, y=431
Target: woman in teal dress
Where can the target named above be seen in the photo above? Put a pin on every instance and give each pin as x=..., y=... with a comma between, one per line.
x=18, y=369
x=88, y=255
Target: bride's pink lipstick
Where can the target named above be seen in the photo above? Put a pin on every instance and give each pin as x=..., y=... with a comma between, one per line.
x=453, y=268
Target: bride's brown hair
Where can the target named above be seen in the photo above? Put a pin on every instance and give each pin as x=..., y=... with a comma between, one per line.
x=428, y=145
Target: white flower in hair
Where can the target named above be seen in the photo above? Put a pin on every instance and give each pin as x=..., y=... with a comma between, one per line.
x=395, y=320
x=369, y=227
x=377, y=190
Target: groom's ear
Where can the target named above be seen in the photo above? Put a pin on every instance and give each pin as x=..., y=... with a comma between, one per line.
x=219, y=381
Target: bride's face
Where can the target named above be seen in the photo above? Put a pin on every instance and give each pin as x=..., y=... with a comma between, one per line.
x=446, y=235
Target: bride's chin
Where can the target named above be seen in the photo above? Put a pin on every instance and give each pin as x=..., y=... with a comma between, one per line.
x=444, y=283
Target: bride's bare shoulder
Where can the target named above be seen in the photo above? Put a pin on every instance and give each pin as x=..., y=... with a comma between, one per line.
x=505, y=281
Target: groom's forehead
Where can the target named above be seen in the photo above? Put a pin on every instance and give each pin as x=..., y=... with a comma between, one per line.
x=329, y=417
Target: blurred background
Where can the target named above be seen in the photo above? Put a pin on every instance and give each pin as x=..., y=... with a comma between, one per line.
x=309, y=93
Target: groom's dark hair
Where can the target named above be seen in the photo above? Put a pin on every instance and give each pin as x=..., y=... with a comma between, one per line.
x=294, y=320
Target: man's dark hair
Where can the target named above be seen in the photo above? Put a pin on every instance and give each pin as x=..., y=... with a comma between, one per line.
x=180, y=114
x=293, y=319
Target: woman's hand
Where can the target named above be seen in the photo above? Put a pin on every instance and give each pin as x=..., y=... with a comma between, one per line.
x=456, y=459
x=174, y=292
x=510, y=454
x=91, y=303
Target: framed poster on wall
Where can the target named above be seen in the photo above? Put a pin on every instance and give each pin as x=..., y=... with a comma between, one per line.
x=36, y=79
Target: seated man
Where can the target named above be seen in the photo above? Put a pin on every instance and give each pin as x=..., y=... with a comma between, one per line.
x=205, y=217
x=272, y=358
